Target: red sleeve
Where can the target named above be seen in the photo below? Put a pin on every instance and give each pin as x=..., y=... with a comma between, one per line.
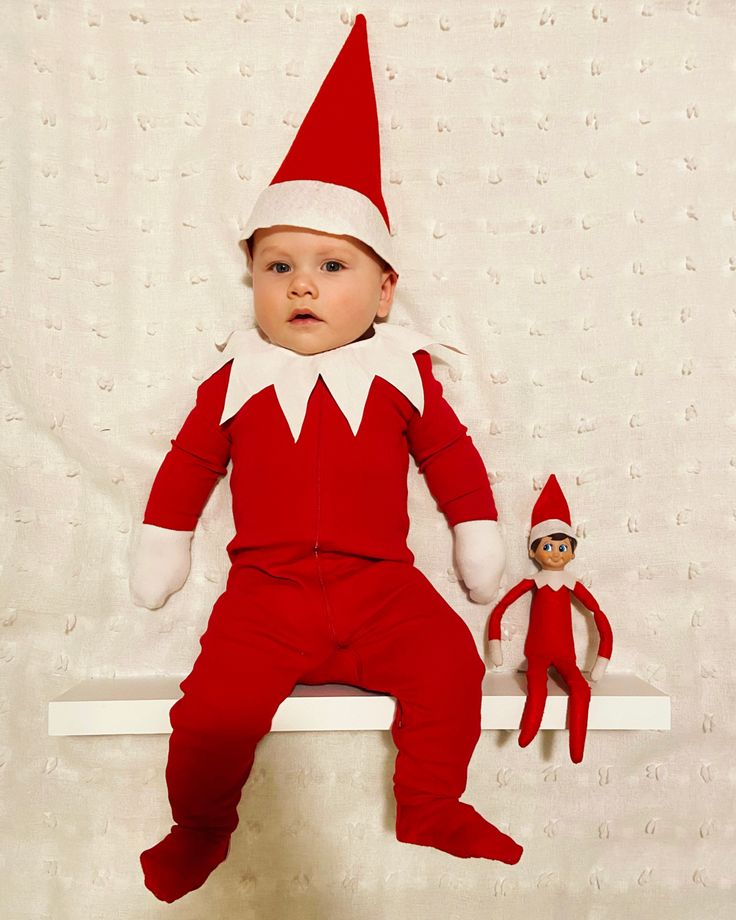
x=445, y=454
x=494, y=625
x=605, y=646
x=198, y=458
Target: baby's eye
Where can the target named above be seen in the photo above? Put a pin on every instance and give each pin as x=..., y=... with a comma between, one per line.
x=333, y=262
x=547, y=547
x=275, y=265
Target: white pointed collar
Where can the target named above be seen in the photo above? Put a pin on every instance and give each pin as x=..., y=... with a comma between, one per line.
x=554, y=579
x=348, y=371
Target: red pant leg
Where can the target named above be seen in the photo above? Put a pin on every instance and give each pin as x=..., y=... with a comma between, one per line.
x=577, y=706
x=536, y=699
x=392, y=631
x=406, y=640
x=263, y=633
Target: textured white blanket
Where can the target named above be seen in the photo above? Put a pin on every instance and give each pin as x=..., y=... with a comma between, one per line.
x=561, y=182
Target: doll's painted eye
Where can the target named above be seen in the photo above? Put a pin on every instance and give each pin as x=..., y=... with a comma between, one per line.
x=563, y=548
x=547, y=547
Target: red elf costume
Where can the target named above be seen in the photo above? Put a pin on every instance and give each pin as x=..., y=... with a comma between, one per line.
x=550, y=639
x=322, y=586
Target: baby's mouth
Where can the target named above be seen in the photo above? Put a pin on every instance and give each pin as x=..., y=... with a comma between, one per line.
x=303, y=317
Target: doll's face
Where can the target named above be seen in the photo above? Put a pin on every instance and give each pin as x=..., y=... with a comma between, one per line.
x=553, y=554
x=338, y=279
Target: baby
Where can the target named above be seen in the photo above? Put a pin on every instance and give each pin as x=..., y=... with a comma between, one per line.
x=319, y=408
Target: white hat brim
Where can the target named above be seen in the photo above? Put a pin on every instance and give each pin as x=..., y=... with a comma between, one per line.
x=550, y=526
x=322, y=206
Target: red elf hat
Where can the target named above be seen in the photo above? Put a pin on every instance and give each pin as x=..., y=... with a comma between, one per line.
x=550, y=513
x=330, y=180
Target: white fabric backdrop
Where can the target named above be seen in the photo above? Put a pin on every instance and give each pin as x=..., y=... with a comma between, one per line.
x=561, y=182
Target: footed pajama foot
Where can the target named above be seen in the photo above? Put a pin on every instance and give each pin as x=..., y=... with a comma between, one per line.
x=457, y=829
x=183, y=861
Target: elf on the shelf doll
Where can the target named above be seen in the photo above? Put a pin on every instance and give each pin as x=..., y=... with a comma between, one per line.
x=319, y=410
x=549, y=639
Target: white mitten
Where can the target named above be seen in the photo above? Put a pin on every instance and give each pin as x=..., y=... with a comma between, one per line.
x=599, y=668
x=496, y=653
x=160, y=565
x=480, y=556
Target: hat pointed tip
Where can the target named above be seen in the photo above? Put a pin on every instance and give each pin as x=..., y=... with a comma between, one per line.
x=551, y=503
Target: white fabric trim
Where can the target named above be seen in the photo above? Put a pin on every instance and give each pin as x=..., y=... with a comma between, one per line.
x=323, y=206
x=481, y=557
x=159, y=564
x=348, y=371
x=555, y=579
x=545, y=528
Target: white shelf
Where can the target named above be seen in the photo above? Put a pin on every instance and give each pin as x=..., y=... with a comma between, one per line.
x=140, y=706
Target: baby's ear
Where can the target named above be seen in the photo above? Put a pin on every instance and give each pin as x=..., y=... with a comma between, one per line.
x=246, y=251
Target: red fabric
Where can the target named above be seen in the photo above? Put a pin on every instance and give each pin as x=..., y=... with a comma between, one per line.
x=344, y=492
x=551, y=504
x=550, y=619
x=374, y=624
x=605, y=646
x=549, y=642
x=494, y=624
x=323, y=589
x=536, y=698
x=338, y=139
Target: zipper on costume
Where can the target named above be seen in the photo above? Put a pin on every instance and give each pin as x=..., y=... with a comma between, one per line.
x=316, y=536
x=324, y=595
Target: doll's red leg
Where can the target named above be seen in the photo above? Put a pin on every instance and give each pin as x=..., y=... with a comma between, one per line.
x=251, y=656
x=536, y=699
x=577, y=706
x=414, y=646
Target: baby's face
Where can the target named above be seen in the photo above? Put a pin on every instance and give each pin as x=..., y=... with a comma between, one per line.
x=338, y=279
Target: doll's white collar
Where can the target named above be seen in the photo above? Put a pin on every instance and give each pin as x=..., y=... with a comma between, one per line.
x=348, y=371
x=554, y=579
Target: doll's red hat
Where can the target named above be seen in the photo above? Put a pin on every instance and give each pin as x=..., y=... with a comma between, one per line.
x=550, y=513
x=330, y=179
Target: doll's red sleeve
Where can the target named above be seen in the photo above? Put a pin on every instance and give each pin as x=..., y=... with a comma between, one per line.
x=605, y=646
x=494, y=624
x=446, y=456
x=198, y=458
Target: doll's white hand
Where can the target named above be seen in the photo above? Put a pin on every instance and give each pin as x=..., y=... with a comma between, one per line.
x=496, y=653
x=160, y=564
x=599, y=668
x=480, y=557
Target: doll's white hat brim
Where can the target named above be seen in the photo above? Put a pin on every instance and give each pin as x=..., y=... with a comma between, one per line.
x=545, y=528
